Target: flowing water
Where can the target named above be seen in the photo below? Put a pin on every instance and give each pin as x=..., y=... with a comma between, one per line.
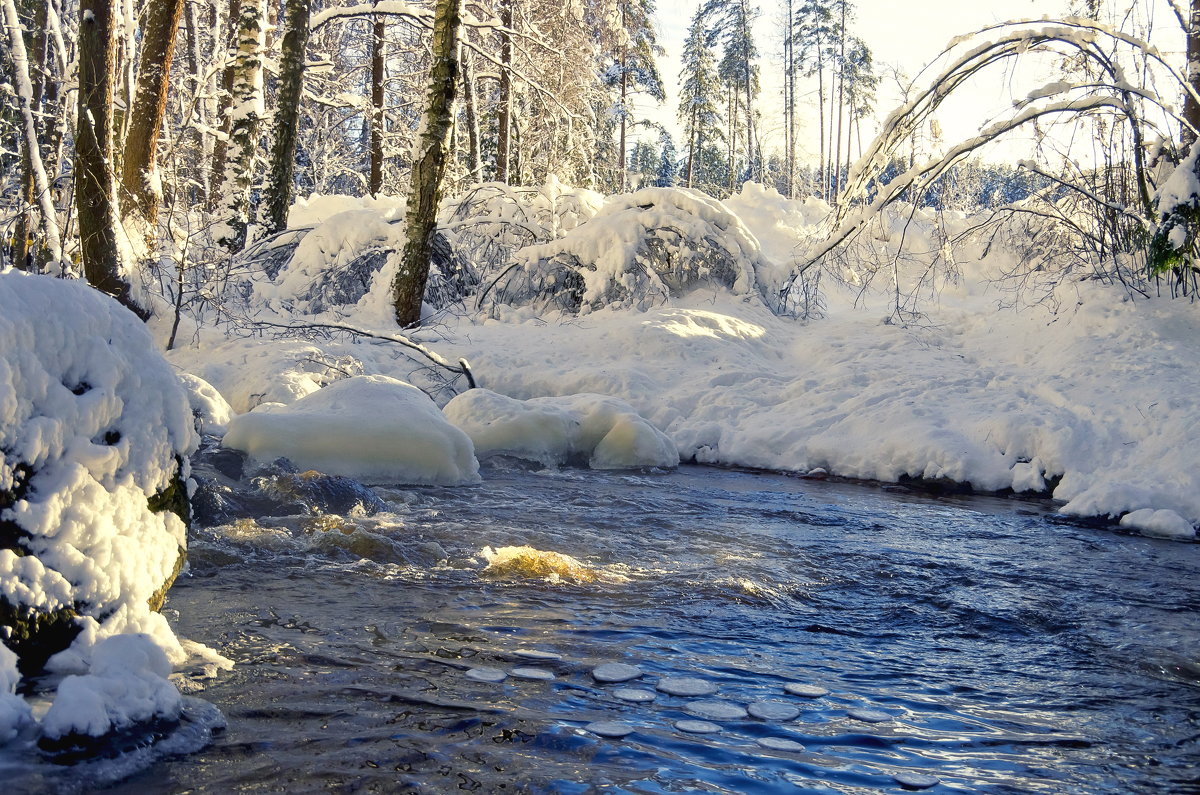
x=993, y=647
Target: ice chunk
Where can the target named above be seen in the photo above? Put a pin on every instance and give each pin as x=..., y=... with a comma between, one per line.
x=716, y=710
x=697, y=726
x=536, y=654
x=532, y=673
x=371, y=428
x=610, y=728
x=869, y=715
x=1162, y=523
x=916, y=780
x=634, y=695
x=604, y=432
x=804, y=691
x=773, y=710
x=780, y=744
x=485, y=674
x=686, y=686
x=615, y=672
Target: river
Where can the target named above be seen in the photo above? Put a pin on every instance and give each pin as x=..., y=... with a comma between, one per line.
x=981, y=642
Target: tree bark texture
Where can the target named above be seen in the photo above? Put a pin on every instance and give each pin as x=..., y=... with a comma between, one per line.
x=32, y=168
x=246, y=111
x=378, y=76
x=139, y=193
x=278, y=195
x=504, y=100
x=429, y=166
x=1191, y=107
x=95, y=204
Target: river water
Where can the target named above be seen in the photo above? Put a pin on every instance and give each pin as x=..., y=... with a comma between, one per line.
x=994, y=647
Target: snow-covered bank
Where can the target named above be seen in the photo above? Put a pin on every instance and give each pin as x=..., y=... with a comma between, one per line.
x=1094, y=402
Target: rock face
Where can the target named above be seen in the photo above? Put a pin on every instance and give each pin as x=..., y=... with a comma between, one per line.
x=95, y=431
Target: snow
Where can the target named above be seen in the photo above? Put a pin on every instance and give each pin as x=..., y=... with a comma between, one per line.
x=91, y=409
x=211, y=411
x=371, y=428
x=605, y=432
x=127, y=685
x=14, y=711
x=1163, y=523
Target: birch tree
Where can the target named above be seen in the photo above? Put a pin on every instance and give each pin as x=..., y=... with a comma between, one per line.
x=245, y=115
x=429, y=167
x=282, y=165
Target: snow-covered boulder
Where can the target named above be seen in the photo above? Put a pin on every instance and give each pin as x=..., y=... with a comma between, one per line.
x=211, y=411
x=600, y=431
x=640, y=249
x=1163, y=523
x=370, y=428
x=95, y=430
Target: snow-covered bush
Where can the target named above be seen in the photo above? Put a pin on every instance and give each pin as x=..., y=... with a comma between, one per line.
x=598, y=431
x=370, y=428
x=94, y=429
x=639, y=250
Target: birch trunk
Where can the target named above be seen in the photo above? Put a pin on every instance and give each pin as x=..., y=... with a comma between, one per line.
x=429, y=167
x=246, y=111
x=278, y=195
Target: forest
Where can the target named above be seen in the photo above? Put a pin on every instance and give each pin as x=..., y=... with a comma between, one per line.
x=596, y=395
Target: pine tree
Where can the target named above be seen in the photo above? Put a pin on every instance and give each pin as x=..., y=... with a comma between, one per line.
x=815, y=36
x=635, y=69
x=700, y=90
x=668, y=165
x=732, y=22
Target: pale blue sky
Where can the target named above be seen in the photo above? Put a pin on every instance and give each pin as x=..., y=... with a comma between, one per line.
x=906, y=34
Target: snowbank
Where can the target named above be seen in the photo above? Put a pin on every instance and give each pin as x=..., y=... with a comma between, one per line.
x=371, y=428
x=93, y=427
x=604, y=432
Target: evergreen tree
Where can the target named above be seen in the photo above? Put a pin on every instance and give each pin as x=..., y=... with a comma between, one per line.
x=732, y=22
x=700, y=90
x=668, y=165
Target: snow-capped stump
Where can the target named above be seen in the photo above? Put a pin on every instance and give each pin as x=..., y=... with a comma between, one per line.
x=599, y=431
x=368, y=427
x=211, y=411
x=95, y=431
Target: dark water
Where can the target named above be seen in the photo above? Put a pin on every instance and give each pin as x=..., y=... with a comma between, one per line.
x=1010, y=653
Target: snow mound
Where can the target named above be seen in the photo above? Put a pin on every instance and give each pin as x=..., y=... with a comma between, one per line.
x=370, y=428
x=638, y=251
x=603, y=431
x=95, y=430
x=211, y=411
x=127, y=685
x=1161, y=523
x=14, y=711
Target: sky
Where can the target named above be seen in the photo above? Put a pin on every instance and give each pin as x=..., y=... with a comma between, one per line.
x=904, y=35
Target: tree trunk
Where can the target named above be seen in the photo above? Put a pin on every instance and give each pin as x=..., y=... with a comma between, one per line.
x=378, y=75
x=821, y=181
x=789, y=102
x=224, y=95
x=278, y=196
x=245, y=112
x=34, y=173
x=504, y=103
x=472, y=114
x=94, y=185
x=429, y=167
x=841, y=75
x=692, y=142
x=140, y=189
x=1191, y=107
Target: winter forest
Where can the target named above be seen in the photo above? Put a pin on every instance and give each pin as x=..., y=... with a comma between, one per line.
x=528, y=396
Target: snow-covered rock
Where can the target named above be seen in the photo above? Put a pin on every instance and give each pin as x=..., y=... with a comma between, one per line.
x=371, y=428
x=127, y=685
x=604, y=432
x=94, y=429
x=211, y=411
x=1162, y=523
